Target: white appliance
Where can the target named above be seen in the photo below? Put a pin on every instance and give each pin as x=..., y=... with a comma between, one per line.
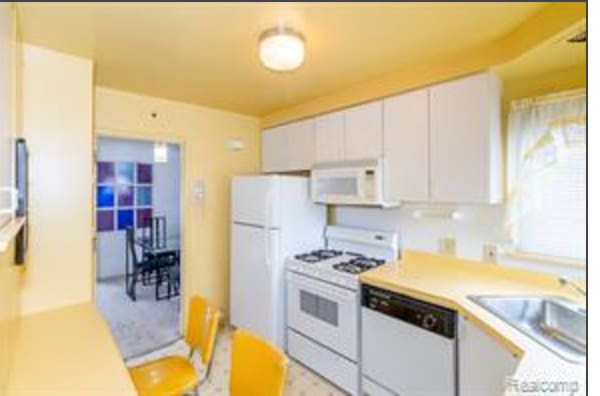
x=349, y=183
x=272, y=218
x=323, y=301
x=408, y=346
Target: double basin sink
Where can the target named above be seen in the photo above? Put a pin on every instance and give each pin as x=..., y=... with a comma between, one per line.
x=554, y=322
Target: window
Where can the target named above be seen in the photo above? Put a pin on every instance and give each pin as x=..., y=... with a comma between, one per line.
x=547, y=175
x=123, y=195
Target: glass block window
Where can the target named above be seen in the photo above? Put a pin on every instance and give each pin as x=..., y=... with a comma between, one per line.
x=125, y=218
x=105, y=196
x=125, y=172
x=126, y=194
x=144, y=216
x=123, y=195
x=144, y=173
x=144, y=196
x=106, y=173
x=105, y=220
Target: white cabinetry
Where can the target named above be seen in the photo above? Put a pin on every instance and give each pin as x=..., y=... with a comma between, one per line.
x=363, y=131
x=289, y=147
x=329, y=137
x=274, y=148
x=439, y=144
x=483, y=364
x=406, y=147
x=442, y=144
x=465, y=149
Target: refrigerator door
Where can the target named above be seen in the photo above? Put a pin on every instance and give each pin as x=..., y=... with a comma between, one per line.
x=254, y=200
x=256, y=281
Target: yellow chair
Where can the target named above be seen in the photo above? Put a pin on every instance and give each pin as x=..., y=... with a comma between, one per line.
x=175, y=375
x=257, y=367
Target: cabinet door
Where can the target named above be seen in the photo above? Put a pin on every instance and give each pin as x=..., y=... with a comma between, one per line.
x=300, y=145
x=406, y=147
x=483, y=364
x=274, y=149
x=465, y=140
x=329, y=137
x=364, y=131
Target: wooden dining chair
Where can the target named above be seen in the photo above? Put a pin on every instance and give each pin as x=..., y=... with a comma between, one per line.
x=176, y=375
x=258, y=368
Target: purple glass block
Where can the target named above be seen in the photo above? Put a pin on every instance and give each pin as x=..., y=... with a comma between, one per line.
x=105, y=172
x=105, y=220
x=144, y=173
x=126, y=195
x=144, y=217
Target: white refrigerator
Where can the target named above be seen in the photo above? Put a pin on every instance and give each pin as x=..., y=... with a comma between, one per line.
x=272, y=219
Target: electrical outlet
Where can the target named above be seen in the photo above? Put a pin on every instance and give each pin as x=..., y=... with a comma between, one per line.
x=447, y=246
x=490, y=253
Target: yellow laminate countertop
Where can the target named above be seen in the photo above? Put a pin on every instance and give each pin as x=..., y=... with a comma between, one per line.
x=67, y=351
x=449, y=281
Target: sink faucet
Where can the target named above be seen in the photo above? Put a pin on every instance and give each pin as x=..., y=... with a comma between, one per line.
x=568, y=282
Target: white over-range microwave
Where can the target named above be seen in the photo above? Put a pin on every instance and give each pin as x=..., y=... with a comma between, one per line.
x=349, y=183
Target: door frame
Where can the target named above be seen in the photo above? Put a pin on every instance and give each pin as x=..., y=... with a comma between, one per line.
x=148, y=136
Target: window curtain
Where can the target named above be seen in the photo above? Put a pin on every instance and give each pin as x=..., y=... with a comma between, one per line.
x=546, y=153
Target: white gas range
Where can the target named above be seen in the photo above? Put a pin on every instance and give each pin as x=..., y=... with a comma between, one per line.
x=323, y=301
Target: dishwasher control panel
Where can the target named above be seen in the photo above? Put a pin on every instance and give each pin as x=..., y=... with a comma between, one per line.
x=430, y=317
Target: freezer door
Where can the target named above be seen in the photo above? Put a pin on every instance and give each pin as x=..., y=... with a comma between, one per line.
x=256, y=287
x=254, y=200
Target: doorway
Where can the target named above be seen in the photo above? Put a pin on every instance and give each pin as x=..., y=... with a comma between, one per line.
x=138, y=239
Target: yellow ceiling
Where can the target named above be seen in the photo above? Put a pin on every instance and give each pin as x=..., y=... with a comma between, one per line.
x=553, y=55
x=205, y=53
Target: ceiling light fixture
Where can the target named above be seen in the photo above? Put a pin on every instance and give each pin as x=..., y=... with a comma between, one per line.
x=161, y=152
x=281, y=49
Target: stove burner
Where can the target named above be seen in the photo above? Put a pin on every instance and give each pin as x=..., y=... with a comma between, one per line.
x=318, y=255
x=358, y=265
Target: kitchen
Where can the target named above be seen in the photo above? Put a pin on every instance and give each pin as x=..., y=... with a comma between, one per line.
x=391, y=199
x=410, y=325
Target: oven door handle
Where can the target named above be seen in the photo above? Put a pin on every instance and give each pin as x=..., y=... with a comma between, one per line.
x=331, y=291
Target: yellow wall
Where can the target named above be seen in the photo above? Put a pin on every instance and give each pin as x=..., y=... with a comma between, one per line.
x=204, y=133
x=9, y=311
x=57, y=123
x=555, y=81
x=552, y=20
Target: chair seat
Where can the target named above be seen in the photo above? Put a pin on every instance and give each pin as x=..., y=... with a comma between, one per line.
x=169, y=376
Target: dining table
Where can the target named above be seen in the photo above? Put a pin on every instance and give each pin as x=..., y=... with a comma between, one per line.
x=164, y=253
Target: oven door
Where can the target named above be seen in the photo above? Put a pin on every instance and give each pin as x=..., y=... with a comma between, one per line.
x=326, y=313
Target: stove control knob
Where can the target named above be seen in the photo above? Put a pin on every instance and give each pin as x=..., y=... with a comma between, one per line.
x=429, y=321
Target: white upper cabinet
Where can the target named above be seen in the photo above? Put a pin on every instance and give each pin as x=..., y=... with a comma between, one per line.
x=301, y=144
x=329, y=137
x=274, y=147
x=439, y=144
x=289, y=147
x=465, y=150
x=364, y=131
x=406, y=147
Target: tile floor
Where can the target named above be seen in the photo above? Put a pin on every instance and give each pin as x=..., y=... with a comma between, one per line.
x=300, y=380
x=140, y=326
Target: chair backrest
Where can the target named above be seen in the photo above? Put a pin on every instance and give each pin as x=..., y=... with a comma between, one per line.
x=257, y=367
x=130, y=241
x=202, y=326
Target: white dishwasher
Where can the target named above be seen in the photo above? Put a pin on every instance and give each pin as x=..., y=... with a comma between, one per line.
x=408, y=346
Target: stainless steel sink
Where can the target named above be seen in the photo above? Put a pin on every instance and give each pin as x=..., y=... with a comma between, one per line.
x=556, y=323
